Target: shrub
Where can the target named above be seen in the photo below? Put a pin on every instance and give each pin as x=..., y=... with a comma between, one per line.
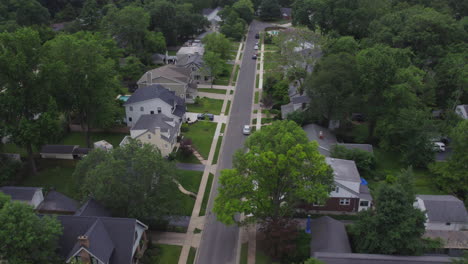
x=186, y=147
x=8, y=170
x=184, y=127
x=365, y=161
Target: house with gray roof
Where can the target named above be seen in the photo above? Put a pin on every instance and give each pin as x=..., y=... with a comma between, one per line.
x=330, y=244
x=154, y=99
x=158, y=130
x=173, y=78
x=92, y=208
x=58, y=203
x=94, y=239
x=194, y=62
x=298, y=103
x=462, y=111
x=29, y=195
x=443, y=212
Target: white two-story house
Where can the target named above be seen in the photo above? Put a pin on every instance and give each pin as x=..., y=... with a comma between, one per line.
x=151, y=100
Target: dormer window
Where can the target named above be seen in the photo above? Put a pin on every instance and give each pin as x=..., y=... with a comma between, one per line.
x=142, y=109
x=149, y=136
x=159, y=110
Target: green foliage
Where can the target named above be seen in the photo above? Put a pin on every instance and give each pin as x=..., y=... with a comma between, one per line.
x=451, y=175
x=219, y=44
x=132, y=69
x=281, y=168
x=270, y=10
x=233, y=26
x=395, y=226
x=345, y=44
x=213, y=65
x=365, y=161
x=27, y=111
x=188, y=21
x=8, y=170
x=26, y=237
x=90, y=15
x=245, y=10
x=24, y=12
x=132, y=181
x=84, y=83
x=313, y=261
x=67, y=14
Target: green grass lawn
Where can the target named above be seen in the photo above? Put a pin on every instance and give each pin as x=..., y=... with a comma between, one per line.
x=184, y=159
x=172, y=52
x=218, y=146
x=54, y=173
x=224, y=79
x=206, y=195
x=78, y=138
x=190, y=180
x=266, y=120
x=257, y=97
x=12, y=148
x=223, y=127
x=272, y=61
x=191, y=256
x=206, y=105
x=209, y=90
x=162, y=254
x=228, y=106
x=201, y=133
x=243, y=254
x=271, y=47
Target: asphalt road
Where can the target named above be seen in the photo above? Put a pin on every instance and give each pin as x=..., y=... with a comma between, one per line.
x=219, y=242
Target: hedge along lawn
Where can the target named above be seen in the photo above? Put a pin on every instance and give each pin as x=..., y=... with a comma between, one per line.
x=190, y=180
x=210, y=90
x=201, y=133
x=206, y=105
x=206, y=195
x=218, y=146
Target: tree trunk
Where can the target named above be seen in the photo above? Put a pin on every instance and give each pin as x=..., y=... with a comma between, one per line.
x=32, y=162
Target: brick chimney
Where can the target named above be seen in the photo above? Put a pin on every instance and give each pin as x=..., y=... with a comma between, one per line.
x=83, y=240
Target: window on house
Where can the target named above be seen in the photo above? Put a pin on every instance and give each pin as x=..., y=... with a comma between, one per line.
x=197, y=77
x=345, y=201
x=131, y=108
x=159, y=110
x=364, y=203
x=130, y=119
x=142, y=109
x=194, y=69
x=152, y=112
x=207, y=78
x=337, y=189
x=448, y=223
x=149, y=136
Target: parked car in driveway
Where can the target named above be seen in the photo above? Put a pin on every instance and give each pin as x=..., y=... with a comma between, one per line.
x=246, y=130
x=204, y=116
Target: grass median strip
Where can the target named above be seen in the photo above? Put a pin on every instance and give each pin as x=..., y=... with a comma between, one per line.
x=228, y=106
x=218, y=146
x=257, y=80
x=257, y=97
x=191, y=256
x=206, y=196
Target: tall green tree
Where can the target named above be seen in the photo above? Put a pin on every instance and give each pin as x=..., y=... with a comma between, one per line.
x=27, y=111
x=213, y=65
x=27, y=237
x=233, y=26
x=29, y=12
x=132, y=181
x=162, y=15
x=394, y=227
x=280, y=169
x=245, y=9
x=189, y=23
x=332, y=85
x=270, y=10
x=219, y=44
x=451, y=175
x=90, y=15
x=85, y=78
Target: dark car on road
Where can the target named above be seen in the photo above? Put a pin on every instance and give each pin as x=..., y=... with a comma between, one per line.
x=254, y=57
x=257, y=36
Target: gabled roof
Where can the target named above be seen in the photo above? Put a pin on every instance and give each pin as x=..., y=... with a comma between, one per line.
x=300, y=99
x=58, y=149
x=444, y=208
x=179, y=110
x=345, y=170
x=109, y=237
x=92, y=208
x=185, y=60
x=329, y=235
x=58, y=202
x=325, y=143
x=354, y=258
x=169, y=71
x=155, y=91
x=151, y=122
x=20, y=193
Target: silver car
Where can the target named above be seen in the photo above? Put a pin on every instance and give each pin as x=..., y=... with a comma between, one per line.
x=246, y=130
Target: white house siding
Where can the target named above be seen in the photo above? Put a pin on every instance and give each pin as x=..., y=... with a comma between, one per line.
x=139, y=230
x=156, y=140
x=56, y=156
x=37, y=199
x=148, y=106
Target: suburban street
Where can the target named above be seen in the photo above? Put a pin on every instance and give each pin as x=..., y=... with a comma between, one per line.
x=219, y=243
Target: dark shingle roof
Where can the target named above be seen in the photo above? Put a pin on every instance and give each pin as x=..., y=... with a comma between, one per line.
x=155, y=91
x=81, y=151
x=109, y=237
x=58, y=202
x=353, y=258
x=344, y=169
x=329, y=235
x=444, y=208
x=20, y=193
x=92, y=208
x=58, y=149
x=300, y=99
x=188, y=59
x=151, y=122
x=179, y=110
